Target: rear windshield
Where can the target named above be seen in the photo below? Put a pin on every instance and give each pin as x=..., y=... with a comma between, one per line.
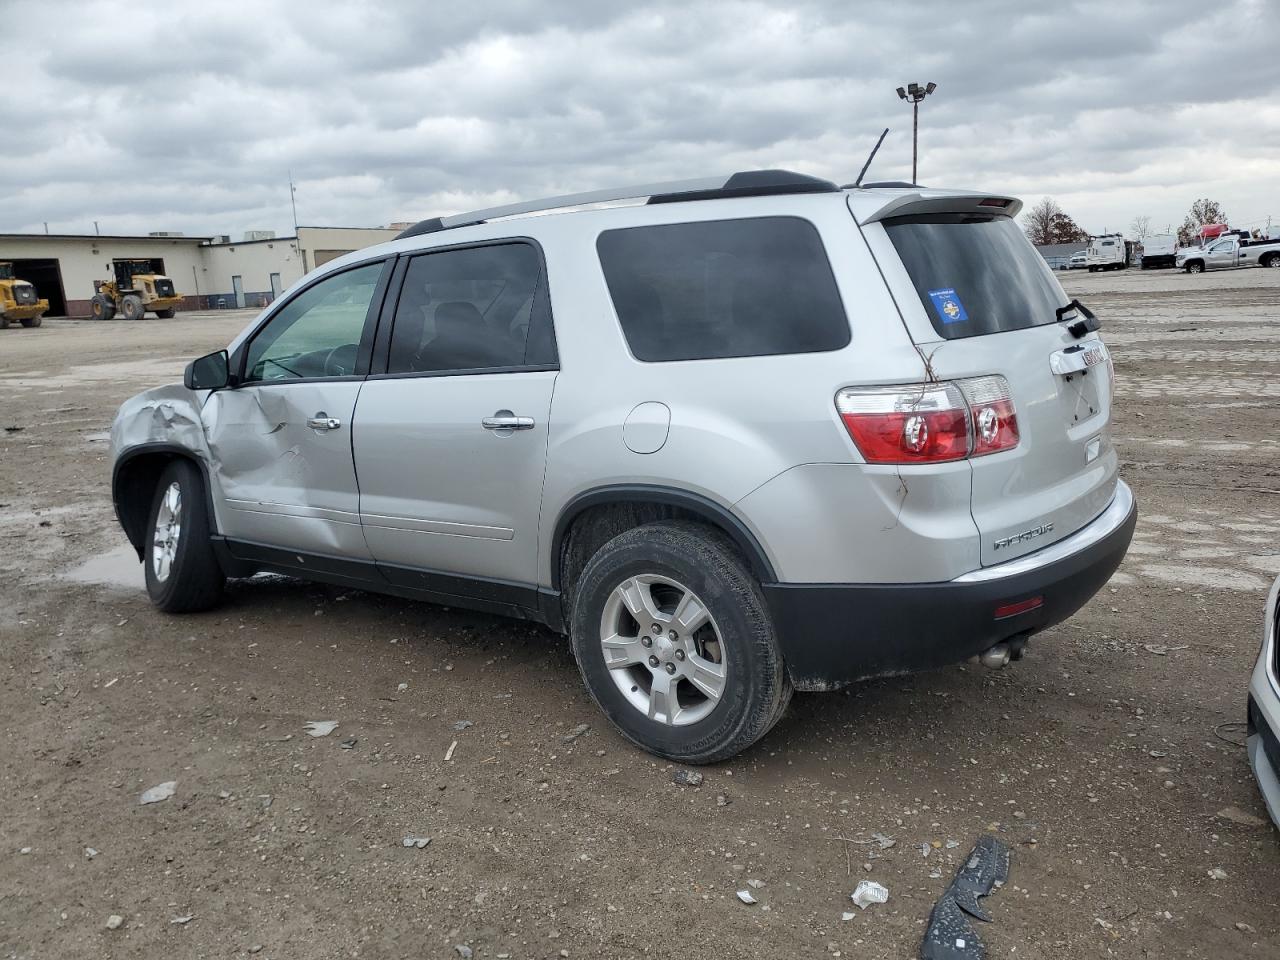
x=975, y=275
x=723, y=288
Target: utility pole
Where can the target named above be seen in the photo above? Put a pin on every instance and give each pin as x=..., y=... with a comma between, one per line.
x=293, y=199
x=914, y=93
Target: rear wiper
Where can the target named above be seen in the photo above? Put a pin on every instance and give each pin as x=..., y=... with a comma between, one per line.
x=1089, y=324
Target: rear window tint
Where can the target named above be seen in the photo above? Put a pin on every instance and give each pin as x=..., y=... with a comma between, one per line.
x=723, y=288
x=975, y=275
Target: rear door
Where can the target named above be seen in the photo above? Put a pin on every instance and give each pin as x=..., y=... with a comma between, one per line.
x=979, y=300
x=451, y=429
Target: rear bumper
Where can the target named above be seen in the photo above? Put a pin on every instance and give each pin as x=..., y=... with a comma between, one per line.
x=834, y=634
x=1264, y=758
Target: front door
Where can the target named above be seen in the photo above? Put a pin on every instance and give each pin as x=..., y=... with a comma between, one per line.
x=281, y=438
x=451, y=437
x=1222, y=254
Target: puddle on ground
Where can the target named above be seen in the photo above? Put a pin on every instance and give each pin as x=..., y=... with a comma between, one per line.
x=117, y=568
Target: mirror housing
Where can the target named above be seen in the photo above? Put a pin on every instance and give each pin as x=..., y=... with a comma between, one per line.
x=210, y=372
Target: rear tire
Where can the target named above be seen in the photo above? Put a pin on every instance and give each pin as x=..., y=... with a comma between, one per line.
x=165, y=314
x=100, y=308
x=655, y=569
x=4, y=322
x=32, y=322
x=1270, y=260
x=182, y=571
x=132, y=307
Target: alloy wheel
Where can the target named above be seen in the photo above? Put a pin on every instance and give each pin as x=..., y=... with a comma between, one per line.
x=663, y=649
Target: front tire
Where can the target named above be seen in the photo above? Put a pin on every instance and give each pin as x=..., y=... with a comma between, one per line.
x=182, y=572
x=1195, y=267
x=132, y=307
x=710, y=681
x=100, y=308
x=32, y=322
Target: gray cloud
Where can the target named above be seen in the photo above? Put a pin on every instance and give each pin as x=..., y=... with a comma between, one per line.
x=183, y=116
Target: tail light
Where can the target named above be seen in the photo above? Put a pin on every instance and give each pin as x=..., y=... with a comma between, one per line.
x=930, y=422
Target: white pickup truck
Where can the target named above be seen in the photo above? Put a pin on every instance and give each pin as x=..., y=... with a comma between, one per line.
x=1229, y=252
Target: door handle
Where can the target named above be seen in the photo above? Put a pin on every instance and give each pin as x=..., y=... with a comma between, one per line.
x=322, y=421
x=507, y=422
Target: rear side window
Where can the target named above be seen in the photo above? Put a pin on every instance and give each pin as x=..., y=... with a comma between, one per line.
x=723, y=288
x=975, y=275
x=475, y=308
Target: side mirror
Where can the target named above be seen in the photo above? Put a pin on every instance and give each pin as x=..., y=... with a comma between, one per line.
x=210, y=372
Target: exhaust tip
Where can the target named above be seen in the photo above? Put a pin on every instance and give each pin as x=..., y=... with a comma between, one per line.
x=995, y=657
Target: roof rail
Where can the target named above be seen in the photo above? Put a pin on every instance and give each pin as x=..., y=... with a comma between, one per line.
x=751, y=183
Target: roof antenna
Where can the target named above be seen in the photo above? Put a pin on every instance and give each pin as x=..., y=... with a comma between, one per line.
x=874, y=150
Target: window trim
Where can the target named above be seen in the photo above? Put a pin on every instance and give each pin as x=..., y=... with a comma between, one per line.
x=381, y=359
x=826, y=256
x=240, y=358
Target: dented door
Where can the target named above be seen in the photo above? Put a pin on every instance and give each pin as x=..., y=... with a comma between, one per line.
x=285, y=482
x=280, y=439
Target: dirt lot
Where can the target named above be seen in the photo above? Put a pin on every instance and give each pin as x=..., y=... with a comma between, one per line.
x=1096, y=758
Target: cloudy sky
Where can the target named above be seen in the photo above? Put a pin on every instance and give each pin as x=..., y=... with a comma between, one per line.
x=185, y=115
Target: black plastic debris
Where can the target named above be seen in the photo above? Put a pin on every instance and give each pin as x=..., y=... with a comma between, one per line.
x=950, y=935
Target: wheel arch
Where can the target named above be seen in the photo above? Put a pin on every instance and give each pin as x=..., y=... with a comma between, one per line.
x=621, y=507
x=133, y=482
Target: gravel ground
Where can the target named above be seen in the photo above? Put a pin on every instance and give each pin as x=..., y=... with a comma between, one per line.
x=1098, y=759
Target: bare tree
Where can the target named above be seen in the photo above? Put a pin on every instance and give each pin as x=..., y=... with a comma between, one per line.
x=1047, y=223
x=1203, y=213
x=1140, y=229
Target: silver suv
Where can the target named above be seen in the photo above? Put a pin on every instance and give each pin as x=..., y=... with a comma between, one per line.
x=735, y=437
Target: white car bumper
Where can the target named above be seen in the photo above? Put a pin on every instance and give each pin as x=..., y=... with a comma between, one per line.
x=1264, y=712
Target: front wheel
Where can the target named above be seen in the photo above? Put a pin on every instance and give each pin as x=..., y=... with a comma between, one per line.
x=132, y=307
x=675, y=643
x=182, y=572
x=100, y=308
x=31, y=322
x=1195, y=267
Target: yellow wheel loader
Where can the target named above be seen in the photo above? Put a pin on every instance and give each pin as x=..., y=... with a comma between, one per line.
x=134, y=290
x=18, y=300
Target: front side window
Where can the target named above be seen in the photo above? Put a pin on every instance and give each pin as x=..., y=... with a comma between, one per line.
x=317, y=333
x=723, y=288
x=475, y=308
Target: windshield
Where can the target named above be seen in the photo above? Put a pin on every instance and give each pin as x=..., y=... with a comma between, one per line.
x=975, y=274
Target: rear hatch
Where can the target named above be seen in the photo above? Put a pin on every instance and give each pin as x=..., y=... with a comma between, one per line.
x=978, y=300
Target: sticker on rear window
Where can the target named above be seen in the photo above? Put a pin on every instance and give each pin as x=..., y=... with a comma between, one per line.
x=948, y=305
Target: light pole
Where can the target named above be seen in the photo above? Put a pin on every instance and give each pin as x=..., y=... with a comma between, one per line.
x=915, y=93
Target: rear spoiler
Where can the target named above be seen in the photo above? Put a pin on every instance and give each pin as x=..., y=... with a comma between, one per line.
x=913, y=204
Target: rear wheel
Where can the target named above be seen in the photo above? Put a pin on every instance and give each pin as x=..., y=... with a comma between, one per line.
x=4, y=322
x=32, y=322
x=1270, y=260
x=132, y=307
x=675, y=644
x=100, y=308
x=182, y=572
x=165, y=314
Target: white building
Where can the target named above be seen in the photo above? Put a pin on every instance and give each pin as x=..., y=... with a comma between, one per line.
x=211, y=272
